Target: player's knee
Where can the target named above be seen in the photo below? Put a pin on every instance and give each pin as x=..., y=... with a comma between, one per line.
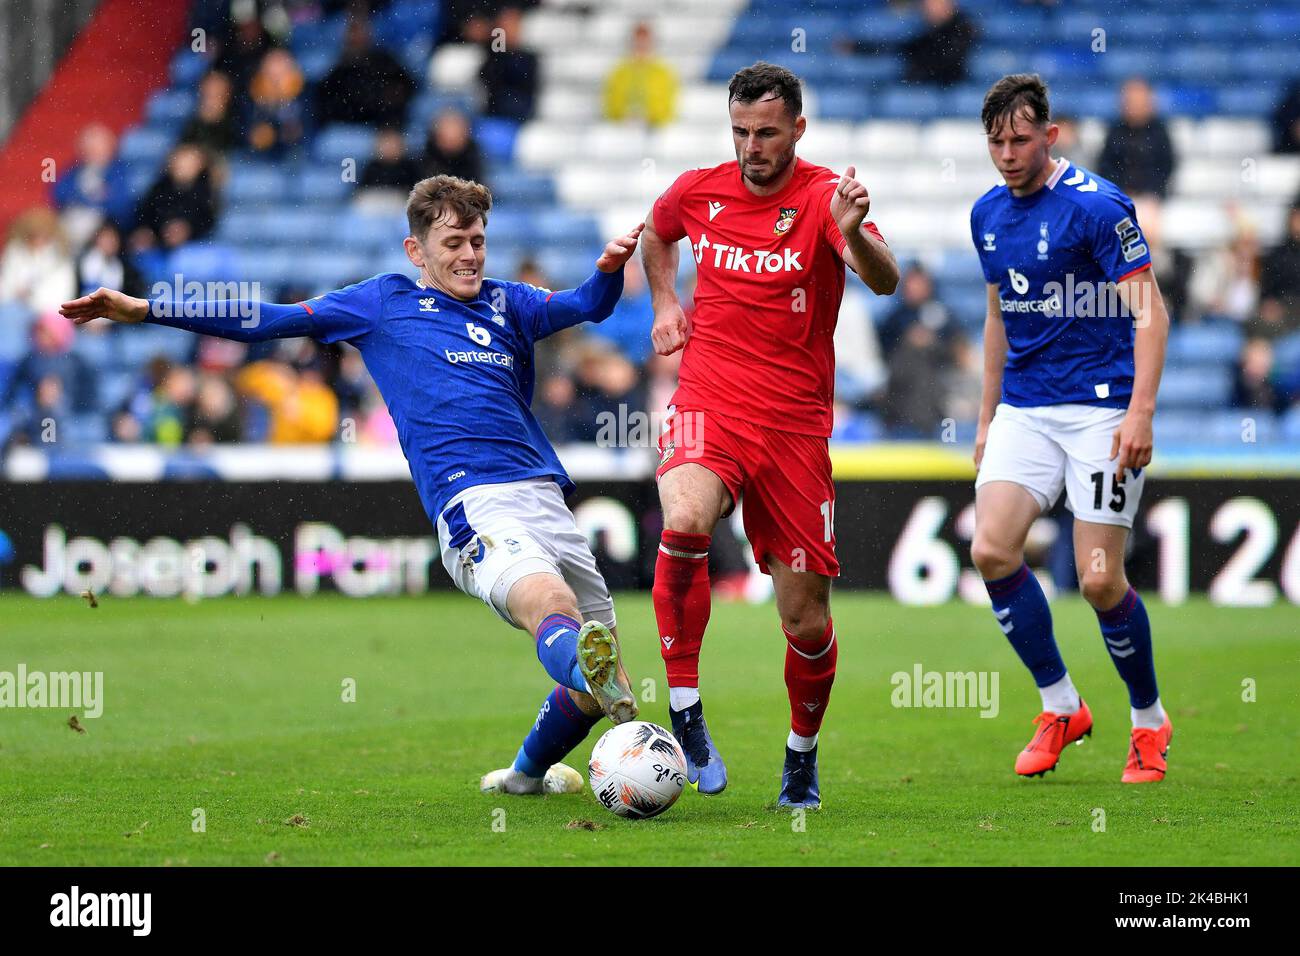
x=1102, y=589
x=993, y=558
x=546, y=595
x=807, y=622
x=688, y=515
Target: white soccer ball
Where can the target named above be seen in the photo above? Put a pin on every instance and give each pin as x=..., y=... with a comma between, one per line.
x=637, y=770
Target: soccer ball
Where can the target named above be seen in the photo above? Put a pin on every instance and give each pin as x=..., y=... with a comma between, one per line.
x=637, y=769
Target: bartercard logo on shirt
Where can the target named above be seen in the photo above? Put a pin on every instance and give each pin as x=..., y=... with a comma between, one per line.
x=479, y=358
x=739, y=259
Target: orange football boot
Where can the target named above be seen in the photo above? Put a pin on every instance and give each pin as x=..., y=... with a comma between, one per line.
x=1147, y=752
x=1054, y=732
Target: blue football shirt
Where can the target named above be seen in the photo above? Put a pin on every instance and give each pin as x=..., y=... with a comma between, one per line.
x=1054, y=255
x=457, y=376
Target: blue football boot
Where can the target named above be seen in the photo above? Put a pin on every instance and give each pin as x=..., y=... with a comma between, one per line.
x=799, y=787
x=705, y=770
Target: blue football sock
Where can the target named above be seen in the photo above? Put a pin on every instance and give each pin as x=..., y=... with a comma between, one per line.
x=1127, y=631
x=1022, y=610
x=557, y=649
x=560, y=727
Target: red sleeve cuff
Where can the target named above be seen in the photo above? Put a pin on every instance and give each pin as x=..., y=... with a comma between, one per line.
x=1127, y=275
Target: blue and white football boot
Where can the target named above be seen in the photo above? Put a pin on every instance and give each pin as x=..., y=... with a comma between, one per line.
x=705, y=770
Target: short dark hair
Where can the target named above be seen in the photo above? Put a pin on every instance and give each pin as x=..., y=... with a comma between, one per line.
x=756, y=81
x=1011, y=94
x=459, y=201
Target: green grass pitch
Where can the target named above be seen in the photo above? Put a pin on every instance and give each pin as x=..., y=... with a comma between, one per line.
x=235, y=707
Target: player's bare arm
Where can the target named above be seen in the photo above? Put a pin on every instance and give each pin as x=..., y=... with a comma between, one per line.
x=870, y=258
x=660, y=260
x=1133, y=442
x=995, y=358
x=106, y=304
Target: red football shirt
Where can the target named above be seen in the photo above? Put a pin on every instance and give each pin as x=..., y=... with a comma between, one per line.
x=770, y=281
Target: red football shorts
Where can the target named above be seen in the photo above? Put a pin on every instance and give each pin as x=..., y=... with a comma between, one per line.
x=782, y=480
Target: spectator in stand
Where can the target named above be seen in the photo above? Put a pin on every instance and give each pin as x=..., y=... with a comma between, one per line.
x=278, y=112
x=243, y=48
x=562, y=415
x=214, y=126
x=1256, y=384
x=605, y=380
x=180, y=206
x=450, y=148
x=1280, y=282
x=642, y=86
x=1286, y=122
x=36, y=269
x=214, y=416
x=103, y=263
x=510, y=73
x=171, y=407
x=51, y=360
x=918, y=307
x=368, y=85
x=628, y=327
x=963, y=388
x=1139, y=155
x=95, y=188
x=915, y=404
x=938, y=54
x=1224, y=282
x=388, y=178
x=303, y=409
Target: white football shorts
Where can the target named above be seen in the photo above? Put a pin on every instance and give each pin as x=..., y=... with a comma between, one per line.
x=1051, y=447
x=493, y=535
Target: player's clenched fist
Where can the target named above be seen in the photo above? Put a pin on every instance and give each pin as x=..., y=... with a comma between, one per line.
x=618, y=251
x=849, y=202
x=106, y=304
x=669, y=331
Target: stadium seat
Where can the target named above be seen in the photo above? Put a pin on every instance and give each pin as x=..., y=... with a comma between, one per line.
x=1206, y=343
x=141, y=144
x=339, y=141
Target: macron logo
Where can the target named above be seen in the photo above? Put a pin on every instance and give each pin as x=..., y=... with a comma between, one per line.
x=668, y=641
x=714, y=209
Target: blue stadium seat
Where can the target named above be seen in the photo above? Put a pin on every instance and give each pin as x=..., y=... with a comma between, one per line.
x=340, y=141
x=142, y=144
x=187, y=67
x=252, y=182
x=203, y=262
x=316, y=184
x=1209, y=342
x=98, y=348
x=496, y=137
x=1195, y=388
x=170, y=107
x=1289, y=427
x=15, y=323
x=317, y=62
x=514, y=186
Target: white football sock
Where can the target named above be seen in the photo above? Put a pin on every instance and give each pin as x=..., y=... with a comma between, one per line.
x=679, y=698
x=1152, y=717
x=801, y=744
x=1061, y=697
